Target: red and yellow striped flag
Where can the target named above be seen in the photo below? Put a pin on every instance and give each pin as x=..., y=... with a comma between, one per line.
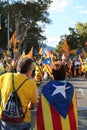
x=65, y=47
x=48, y=69
x=57, y=111
x=30, y=54
x=40, y=51
x=73, y=51
x=41, y=71
x=12, y=40
x=22, y=55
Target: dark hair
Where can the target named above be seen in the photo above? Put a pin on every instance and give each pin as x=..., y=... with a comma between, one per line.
x=33, y=73
x=59, y=72
x=24, y=64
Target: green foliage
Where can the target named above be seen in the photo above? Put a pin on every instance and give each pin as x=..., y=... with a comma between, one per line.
x=3, y=31
x=26, y=18
x=77, y=37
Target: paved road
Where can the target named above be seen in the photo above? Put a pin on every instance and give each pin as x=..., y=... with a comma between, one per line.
x=80, y=84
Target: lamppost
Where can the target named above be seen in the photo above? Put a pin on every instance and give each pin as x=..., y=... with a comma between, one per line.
x=8, y=23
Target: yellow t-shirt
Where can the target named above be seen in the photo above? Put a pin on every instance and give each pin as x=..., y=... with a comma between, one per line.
x=86, y=67
x=26, y=93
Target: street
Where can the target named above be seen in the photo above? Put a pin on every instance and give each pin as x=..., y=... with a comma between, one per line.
x=80, y=85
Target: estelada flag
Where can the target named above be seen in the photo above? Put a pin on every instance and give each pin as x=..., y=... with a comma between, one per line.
x=47, y=61
x=40, y=70
x=65, y=48
x=48, y=69
x=57, y=108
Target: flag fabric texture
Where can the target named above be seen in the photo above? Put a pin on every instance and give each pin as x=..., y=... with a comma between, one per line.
x=42, y=46
x=38, y=74
x=22, y=55
x=30, y=54
x=57, y=108
x=47, y=61
x=40, y=70
x=43, y=50
x=48, y=69
x=65, y=48
x=47, y=66
x=12, y=40
x=73, y=51
x=40, y=51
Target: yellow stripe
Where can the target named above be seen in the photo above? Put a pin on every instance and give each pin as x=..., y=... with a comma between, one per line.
x=65, y=123
x=35, y=125
x=40, y=71
x=48, y=70
x=75, y=108
x=46, y=114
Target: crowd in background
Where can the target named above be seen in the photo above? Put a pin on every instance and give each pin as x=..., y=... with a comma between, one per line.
x=75, y=68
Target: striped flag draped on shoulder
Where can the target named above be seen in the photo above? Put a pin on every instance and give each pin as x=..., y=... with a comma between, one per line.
x=57, y=108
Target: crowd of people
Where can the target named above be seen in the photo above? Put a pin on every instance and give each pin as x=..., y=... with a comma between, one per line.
x=57, y=104
x=75, y=68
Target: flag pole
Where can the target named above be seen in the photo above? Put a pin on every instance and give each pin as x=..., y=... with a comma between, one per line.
x=8, y=26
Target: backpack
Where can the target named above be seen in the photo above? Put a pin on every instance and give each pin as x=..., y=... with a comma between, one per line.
x=12, y=111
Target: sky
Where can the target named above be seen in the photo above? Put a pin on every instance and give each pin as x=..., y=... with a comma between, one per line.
x=64, y=14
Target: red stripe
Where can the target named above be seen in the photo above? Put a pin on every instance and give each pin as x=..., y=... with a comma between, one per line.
x=72, y=119
x=56, y=120
x=39, y=117
x=41, y=70
x=48, y=68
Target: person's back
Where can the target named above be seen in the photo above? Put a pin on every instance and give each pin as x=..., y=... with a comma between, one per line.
x=27, y=94
x=85, y=70
x=57, y=108
x=85, y=67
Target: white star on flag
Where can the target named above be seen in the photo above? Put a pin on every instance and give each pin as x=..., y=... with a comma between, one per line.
x=48, y=62
x=60, y=89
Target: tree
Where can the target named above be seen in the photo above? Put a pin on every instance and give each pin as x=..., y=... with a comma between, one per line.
x=73, y=39
x=26, y=18
x=58, y=50
x=3, y=31
x=81, y=29
x=77, y=37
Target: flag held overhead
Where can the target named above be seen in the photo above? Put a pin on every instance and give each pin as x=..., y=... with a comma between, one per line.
x=47, y=61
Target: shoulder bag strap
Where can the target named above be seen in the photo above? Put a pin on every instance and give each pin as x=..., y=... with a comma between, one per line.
x=19, y=85
x=18, y=88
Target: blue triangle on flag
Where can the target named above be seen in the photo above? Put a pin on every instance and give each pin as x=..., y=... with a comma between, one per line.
x=47, y=61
